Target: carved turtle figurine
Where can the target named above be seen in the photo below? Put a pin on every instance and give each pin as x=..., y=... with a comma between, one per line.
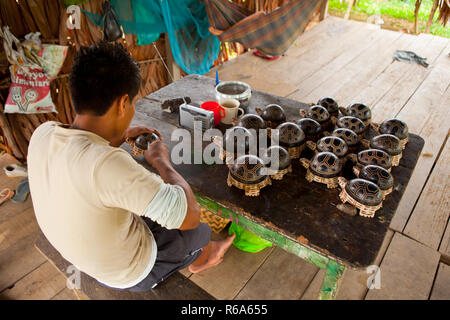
x=251, y=121
x=316, y=112
x=363, y=194
x=331, y=105
x=352, y=123
x=236, y=142
x=395, y=127
x=349, y=136
x=388, y=143
x=380, y=176
x=324, y=167
x=292, y=138
x=277, y=161
x=254, y=123
x=331, y=144
x=360, y=111
x=371, y=156
x=140, y=144
x=248, y=174
x=311, y=128
x=321, y=115
x=273, y=115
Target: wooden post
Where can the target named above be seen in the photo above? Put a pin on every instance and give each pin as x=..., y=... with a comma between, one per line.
x=349, y=8
x=323, y=10
x=174, y=68
x=430, y=18
x=416, y=16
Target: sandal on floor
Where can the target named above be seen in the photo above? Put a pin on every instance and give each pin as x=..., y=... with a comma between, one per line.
x=264, y=56
x=22, y=191
x=6, y=194
x=15, y=170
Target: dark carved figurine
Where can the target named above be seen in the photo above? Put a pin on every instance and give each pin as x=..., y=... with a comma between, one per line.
x=292, y=138
x=249, y=174
x=395, y=127
x=324, y=167
x=378, y=175
x=371, y=156
x=363, y=194
x=388, y=143
x=277, y=161
x=273, y=115
x=331, y=105
x=360, y=111
x=331, y=144
x=141, y=143
x=310, y=127
x=351, y=123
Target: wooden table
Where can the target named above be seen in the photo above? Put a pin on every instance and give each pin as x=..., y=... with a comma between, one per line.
x=298, y=216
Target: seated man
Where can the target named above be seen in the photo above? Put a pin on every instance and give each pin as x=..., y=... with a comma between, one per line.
x=114, y=220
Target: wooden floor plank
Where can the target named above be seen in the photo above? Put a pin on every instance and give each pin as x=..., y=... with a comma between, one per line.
x=349, y=53
x=16, y=228
x=283, y=276
x=9, y=209
x=43, y=283
x=444, y=248
x=300, y=67
x=363, y=66
x=354, y=282
x=313, y=290
x=434, y=133
x=441, y=288
x=309, y=71
x=430, y=216
x=407, y=271
x=19, y=260
x=65, y=294
x=276, y=76
x=384, y=81
x=427, y=98
x=228, y=278
x=392, y=89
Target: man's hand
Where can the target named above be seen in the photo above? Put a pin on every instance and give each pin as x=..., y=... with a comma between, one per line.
x=157, y=155
x=134, y=132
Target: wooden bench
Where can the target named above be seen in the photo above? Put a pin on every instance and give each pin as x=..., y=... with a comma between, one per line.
x=176, y=287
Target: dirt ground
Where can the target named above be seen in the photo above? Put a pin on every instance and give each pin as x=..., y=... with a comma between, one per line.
x=390, y=23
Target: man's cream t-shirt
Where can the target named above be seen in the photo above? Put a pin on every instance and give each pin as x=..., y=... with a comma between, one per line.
x=88, y=198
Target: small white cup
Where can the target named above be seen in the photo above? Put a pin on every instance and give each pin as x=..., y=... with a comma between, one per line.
x=231, y=107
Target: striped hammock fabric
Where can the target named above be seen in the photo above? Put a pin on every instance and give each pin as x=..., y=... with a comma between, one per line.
x=271, y=33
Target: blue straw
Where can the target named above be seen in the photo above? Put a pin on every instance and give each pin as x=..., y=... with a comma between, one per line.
x=217, y=78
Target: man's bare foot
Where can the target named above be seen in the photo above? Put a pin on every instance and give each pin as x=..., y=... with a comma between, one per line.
x=218, y=249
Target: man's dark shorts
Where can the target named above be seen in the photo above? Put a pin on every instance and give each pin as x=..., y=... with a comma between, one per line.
x=177, y=249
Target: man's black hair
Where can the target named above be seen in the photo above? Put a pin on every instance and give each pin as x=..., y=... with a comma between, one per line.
x=100, y=74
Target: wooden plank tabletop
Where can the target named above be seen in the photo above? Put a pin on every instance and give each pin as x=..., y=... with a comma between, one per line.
x=293, y=207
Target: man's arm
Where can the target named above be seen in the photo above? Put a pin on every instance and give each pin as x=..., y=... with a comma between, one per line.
x=157, y=156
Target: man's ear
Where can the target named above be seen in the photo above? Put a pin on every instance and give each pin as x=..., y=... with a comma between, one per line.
x=122, y=104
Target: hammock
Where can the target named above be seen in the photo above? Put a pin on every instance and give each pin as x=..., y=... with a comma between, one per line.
x=271, y=33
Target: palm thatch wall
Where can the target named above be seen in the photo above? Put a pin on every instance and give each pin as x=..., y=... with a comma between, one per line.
x=49, y=18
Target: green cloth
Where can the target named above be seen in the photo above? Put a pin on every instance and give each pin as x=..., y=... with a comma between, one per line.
x=247, y=241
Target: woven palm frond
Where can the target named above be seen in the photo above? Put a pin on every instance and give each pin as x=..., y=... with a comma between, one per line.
x=444, y=12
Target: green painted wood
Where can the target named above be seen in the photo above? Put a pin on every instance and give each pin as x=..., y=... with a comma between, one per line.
x=276, y=238
x=331, y=282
